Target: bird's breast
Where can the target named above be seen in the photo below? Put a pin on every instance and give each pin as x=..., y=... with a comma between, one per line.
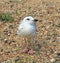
x=27, y=29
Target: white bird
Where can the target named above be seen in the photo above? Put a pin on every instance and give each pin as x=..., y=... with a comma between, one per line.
x=27, y=28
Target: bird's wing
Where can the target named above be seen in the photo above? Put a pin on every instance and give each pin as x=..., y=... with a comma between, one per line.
x=21, y=26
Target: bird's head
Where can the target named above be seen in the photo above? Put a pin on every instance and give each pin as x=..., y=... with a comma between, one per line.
x=30, y=19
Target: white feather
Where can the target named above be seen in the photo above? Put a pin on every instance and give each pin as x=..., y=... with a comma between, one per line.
x=27, y=27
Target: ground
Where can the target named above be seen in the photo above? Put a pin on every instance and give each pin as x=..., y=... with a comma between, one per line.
x=47, y=41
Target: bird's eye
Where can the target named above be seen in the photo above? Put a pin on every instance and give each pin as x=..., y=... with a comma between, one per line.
x=28, y=19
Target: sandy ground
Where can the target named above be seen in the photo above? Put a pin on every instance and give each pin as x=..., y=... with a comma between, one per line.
x=47, y=42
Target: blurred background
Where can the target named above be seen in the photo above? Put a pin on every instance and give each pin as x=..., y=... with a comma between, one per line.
x=47, y=41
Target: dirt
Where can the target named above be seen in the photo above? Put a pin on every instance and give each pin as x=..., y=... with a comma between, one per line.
x=47, y=41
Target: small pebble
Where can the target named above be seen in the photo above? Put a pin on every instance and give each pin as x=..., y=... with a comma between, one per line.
x=37, y=48
x=5, y=40
x=17, y=59
x=1, y=50
x=8, y=61
x=7, y=51
x=58, y=10
x=9, y=42
x=11, y=26
x=53, y=60
x=58, y=55
x=8, y=34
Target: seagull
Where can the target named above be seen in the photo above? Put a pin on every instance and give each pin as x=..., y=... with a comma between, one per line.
x=27, y=28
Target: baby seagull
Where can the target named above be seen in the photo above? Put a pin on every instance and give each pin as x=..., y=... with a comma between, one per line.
x=27, y=29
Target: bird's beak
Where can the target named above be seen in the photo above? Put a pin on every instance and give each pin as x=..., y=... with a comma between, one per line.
x=35, y=20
